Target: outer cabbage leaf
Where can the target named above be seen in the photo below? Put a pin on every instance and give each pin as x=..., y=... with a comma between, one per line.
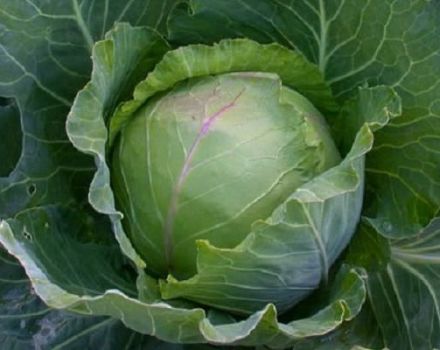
x=26, y=322
x=19, y=308
x=45, y=58
x=80, y=290
x=399, y=270
x=99, y=286
x=360, y=333
x=120, y=60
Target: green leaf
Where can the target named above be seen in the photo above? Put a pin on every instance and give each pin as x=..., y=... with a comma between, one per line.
x=120, y=62
x=37, y=234
x=376, y=106
x=20, y=308
x=41, y=231
x=26, y=322
x=85, y=276
x=45, y=59
x=356, y=43
x=360, y=333
x=405, y=293
x=368, y=249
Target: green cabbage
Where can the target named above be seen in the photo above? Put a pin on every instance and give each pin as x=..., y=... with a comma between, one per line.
x=220, y=173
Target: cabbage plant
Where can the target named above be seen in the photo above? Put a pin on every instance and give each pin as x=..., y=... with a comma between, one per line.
x=203, y=174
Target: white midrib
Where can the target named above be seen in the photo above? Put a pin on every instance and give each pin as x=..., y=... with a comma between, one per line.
x=82, y=25
x=325, y=263
x=323, y=37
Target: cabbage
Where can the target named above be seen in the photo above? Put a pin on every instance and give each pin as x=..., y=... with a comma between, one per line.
x=200, y=174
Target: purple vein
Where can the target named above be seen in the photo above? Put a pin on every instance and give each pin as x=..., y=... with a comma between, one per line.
x=207, y=123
